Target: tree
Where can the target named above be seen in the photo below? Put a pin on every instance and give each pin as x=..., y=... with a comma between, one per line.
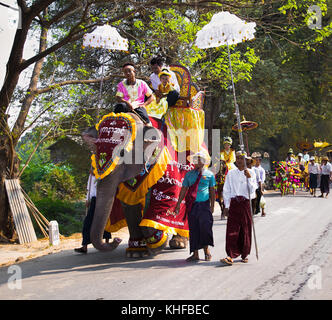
x=58, y=65
x=66, y=23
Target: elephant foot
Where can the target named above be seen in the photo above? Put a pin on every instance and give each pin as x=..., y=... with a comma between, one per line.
x=135, y=253
x=157, y=241
x=178, y=242
x=137, y=249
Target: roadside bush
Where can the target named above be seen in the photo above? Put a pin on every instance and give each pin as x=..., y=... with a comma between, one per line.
x=68, y=214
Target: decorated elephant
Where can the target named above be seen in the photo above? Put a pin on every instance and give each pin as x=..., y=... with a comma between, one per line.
x=112, y=143
x=140, y=175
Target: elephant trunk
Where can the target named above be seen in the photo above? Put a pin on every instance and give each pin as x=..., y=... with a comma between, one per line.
x=106, y=192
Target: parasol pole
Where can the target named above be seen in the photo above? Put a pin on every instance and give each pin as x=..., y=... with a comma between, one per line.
x=237, y=113
x=101, y=85
x=247, y=146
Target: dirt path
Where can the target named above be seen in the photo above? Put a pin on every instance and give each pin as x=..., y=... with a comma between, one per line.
x=15, y=253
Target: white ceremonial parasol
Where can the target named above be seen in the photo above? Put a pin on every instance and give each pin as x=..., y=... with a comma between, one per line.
x=228, y=29
x=105, y=37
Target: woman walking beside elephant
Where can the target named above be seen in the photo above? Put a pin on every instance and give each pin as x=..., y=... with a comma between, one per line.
x=198, y=191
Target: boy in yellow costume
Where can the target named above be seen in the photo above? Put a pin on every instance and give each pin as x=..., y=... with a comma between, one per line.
x=159, y=107
x=165, y=85
x=228, y=154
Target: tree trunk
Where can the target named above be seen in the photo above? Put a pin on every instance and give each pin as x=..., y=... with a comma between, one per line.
x=25, y=108
x=9, y=164
x=8, y=169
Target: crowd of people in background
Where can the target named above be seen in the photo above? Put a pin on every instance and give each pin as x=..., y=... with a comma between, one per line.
x=303, y=172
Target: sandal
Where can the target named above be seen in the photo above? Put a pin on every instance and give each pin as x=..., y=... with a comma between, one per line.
x=208, y=257
x=227, y=260
x=192, y=259
x=81, y=250
x=245, y=260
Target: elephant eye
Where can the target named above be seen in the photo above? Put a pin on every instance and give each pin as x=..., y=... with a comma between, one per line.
x=122, y=153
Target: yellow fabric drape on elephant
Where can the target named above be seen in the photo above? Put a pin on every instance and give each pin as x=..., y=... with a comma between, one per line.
x=138, y=196
x=166, y=229
x=157, y=110
x=185, y=128
x=115, y=227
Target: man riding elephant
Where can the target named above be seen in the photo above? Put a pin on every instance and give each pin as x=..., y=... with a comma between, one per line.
x=132, y=93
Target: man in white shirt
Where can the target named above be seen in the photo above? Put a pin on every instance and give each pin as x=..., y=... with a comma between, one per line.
x=306, y=156
x=313, y=170
x=326, y=176
x=157, y=65
x=237, y=205
x=250, y=161
x=260, y=178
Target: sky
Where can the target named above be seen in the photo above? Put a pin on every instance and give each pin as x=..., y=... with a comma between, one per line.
x=7, y=33
x=8, y=24
x=9, y=19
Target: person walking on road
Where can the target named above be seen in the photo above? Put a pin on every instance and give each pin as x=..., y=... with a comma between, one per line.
x=326, y=176
x=260, y=178
x=239, y=222
x=253, y=196
x=313, y=170
x=198, y=188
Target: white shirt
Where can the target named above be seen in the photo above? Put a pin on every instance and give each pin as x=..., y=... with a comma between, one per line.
x=253, y=174
x=326, y=168
x=313, y=168
x=91, y=187
x=155, y=81
x=260, y=174
x=306, y=157
x=236, y=185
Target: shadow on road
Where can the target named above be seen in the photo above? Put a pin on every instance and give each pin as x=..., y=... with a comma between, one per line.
x=96, y=261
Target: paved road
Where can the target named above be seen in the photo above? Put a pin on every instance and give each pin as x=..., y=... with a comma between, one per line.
x=295, y=262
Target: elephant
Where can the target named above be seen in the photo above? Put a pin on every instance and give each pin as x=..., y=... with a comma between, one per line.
x=107, y=189
x=176, y=117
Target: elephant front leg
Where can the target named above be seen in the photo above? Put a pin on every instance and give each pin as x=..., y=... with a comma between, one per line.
x=137, y=247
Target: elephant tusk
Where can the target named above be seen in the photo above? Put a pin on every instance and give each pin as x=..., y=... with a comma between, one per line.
x=145, y=167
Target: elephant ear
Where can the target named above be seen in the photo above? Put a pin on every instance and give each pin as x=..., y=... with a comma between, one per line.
x=116, y=133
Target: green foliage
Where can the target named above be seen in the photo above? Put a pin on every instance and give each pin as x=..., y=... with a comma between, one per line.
x=55, y=189
x=281, y=77
x=68, y=214
x=54, y=182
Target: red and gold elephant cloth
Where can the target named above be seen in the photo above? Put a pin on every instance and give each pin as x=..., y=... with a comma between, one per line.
x=165, y=181
x=116, y=132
